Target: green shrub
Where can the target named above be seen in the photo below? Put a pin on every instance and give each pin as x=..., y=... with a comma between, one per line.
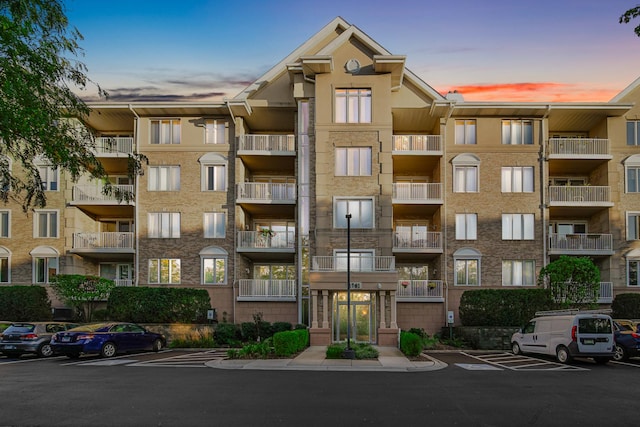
x=249, y=331
x=286, y=343
x=365, y=351
x=410, y=343
x=227, y=334
x=361, y=350
x=626, y=306
x=280, y=327
x=502, y=307
x=24, y=303
x=158, y=305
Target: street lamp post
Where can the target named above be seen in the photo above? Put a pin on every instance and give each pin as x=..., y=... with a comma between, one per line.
x=349, y=353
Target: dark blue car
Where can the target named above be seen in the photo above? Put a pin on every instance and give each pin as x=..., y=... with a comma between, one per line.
x=627, y=342
x=106, y=339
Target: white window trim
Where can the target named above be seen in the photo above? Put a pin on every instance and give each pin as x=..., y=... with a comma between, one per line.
x=6, y=253
x=466, y=160
x=631, y=162
x=468, y=234
x=522, y=262
x=336, y=199
x=511, y=174
x=213, y=159
x=158, y=282
x=160, y=119
x=353, y=93
x=216, y=123
x=8, y=211
x=521, y=218
x=170, y=167
x=346, y=150
x=172, y=232
x=626, y=221
x=467, y=254
x=204, y=225
x=214, y=252
x=36, y=215
x=521, y=123
x=467, y=135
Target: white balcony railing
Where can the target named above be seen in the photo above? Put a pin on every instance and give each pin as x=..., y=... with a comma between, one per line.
x=267, y=143
x=417, y=144
x=604, y=293
x=358, y=263
x=123, y=282
x=579, y=147
x=267, y=192
x=417, y=192
x=113, y=145
x=579, y=194
x=417, y=240
x=104, y=240
x=420, y=289
x=93, y=194
x=581, y=242
x=261, y=240
x=266, y=289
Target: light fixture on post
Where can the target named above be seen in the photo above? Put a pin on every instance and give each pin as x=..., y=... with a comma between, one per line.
x=349, y=353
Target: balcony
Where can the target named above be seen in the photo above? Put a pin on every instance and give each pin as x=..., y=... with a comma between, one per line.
x=266, y=193
x=267, y=145
x=111, y=245
x=92, y=194
x=604, y=296
x=420, y=145
x=420, y=291
x=113, y=146
x=580, y=195
x=579, y=148
x=123, y=282
x=417, y=193
x=257, y=245
x=266, y=290
x=364, y=264
x=420, y=242
x=580, y=244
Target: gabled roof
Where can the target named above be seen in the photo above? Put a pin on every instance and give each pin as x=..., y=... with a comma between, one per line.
x=627, y=91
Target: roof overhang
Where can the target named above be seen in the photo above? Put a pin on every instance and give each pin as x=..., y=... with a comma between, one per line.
x=392, y=64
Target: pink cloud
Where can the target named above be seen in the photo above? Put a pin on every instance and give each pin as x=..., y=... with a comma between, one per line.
x=533, y=92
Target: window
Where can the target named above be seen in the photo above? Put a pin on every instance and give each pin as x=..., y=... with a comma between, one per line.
x=632, y=173
x=215, y=178
x=633, y=132
x=518, y=273
x=467, y=267
x=5, y=272
x=215, y=132
x=633, y=271
x=214, y=225
x=353, y=161
x=466, y=226
x=165, y=131
x=465, y=132
x=164, y=178
x=465, y=173
x=353, y=105
x=164, y=270
x=517, y=226
x=213, y=271
x=45, y=224
x=517, y=132
x=633, y=225
x=359, y=260
x=517, y=179
x=49, y=176
x=5, y=223
x=44, y=268
x=164, y=225
x=361, y=211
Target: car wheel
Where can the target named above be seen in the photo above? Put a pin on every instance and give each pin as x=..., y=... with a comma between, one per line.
x=602, y=360
x=45, y=350
x=109, y=349
x=157, y=345
x=562, y=354
x=620, y=354
x=515, y=348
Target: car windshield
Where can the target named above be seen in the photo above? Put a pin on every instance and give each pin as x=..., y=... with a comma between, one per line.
x=594, y=326
x=21, y=328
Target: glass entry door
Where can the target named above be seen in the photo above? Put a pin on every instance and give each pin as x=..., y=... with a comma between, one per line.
x=362, y=318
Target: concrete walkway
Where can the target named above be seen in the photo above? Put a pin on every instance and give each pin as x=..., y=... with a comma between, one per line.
x=390, y=359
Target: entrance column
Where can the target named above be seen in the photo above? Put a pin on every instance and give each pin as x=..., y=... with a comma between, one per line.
x=394, y=319
x=325, y=308
x=314, y=309
x=383, y=323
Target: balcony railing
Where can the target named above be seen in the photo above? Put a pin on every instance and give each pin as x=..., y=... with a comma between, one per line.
x=411, y=192
x=266, y=290
x=92, y=194
x=578, y=147
x=417, y=144
x=417, y=240
x=579, y=195
x=113, y=145
x=105, y=240
x=262, y=240
x=267, y=192
x=264, y=144
x=581, y=243
x=604, y=293
x=358, y=264
x=123, y=282
x=416, y=290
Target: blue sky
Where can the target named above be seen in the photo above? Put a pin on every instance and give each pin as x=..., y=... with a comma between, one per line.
x=201, y=50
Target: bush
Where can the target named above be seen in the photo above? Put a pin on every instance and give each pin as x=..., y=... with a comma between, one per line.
x=202, y=342
x=24, y=303
x=410, y=343
x=280, y=327
x=227, y=334
x=158, y=305
x=626, y=306
x=361, y=350
x=502, y=307
x=286, y=343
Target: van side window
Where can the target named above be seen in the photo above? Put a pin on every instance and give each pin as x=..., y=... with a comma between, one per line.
x=531, y=326
x=594, y=326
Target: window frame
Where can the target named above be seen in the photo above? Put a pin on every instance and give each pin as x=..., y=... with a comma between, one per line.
x=635, y=227
x=5, y=265
x=172, y=181
x=214, y=259
x=337, y=218
x=465, y=132
x=343, y=163
x=212, y=128
x=519, y=223
x=50, y=177
x=216, y=223
x=172, y=138
x=526, y=266
x=170, y=273
x=346, y=100
x=47, y=268
x=466, y=226
x=162, y=225
x=514, y=179
x=633, y=133
x=5, y=230
x=517, y=133
x=466, y=256
x=37, y=213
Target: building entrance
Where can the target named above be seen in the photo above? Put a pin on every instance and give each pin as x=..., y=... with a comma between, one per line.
x=362, y=317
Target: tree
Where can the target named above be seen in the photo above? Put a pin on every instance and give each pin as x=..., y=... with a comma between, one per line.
x=83, y=293
x=630, y=14
x=40, y=115
x=573, y=281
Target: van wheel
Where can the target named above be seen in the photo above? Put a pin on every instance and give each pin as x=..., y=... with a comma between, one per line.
x=620, y=354
x=515, y=348
x=562, y=354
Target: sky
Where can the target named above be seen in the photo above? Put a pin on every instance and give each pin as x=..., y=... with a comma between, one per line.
x=488, y=50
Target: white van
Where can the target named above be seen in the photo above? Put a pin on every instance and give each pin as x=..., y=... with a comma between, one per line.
x=567, y=334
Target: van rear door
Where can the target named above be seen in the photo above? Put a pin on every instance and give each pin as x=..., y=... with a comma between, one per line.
x=594, y=334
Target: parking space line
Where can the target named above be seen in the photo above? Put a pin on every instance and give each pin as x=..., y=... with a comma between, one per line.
x=510, y=361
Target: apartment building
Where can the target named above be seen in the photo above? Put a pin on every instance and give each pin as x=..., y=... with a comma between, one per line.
x=337, y=166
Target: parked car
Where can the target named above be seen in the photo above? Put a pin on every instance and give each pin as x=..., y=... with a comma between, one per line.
x=627, y=342
x=4, y=324
x=30, y=337
x=106, y=339
x=627, y=324
x=578, y=334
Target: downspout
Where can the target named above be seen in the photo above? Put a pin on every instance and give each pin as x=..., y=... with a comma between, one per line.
x=235, y=226
x=543, y=186
x=443, y=263
x=135, y=207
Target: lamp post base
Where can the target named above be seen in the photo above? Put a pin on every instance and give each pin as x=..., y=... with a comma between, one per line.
x=349, y=354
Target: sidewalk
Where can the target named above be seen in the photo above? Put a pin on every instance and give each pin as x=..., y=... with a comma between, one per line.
x=313, y=359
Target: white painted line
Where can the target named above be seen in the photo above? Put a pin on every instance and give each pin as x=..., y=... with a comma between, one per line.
x=478, y=367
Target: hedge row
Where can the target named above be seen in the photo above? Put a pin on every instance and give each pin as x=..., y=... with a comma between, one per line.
x=24, y=303
x=626, y=306
x=286, y=343
x=158, y=305
x=502, y=307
